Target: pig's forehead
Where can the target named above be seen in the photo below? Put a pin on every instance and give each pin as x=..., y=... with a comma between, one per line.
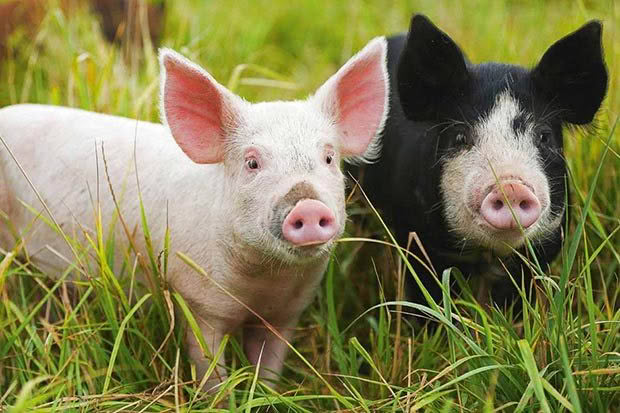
x=506, y=117
x=288, y=122
x=489, y=82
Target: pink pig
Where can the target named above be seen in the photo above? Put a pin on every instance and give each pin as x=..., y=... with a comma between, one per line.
x=253, y=193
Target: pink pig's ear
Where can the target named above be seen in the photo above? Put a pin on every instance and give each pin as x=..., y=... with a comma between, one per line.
x=196, y=108
x=356, y=98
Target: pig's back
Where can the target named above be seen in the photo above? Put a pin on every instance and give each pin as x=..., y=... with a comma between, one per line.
x=53, y=126
x=42, y=132
x=60, y=149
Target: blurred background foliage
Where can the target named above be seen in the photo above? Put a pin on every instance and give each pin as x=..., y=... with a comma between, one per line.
x=63, y=52
x=299, y=43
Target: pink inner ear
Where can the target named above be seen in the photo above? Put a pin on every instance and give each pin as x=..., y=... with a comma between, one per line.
x=361, y=98
x=193, y=108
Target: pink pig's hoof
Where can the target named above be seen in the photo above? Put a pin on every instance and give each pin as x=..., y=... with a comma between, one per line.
x=310, y=222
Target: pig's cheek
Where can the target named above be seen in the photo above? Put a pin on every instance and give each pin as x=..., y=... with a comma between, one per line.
x=452, y=185
x=337, y=202
x=245, y=215
x=474, y=176
x=542, y=188
x=460, y=184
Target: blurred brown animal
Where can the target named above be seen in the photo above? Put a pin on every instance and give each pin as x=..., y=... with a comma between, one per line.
x=127, y=22
x=19, y=13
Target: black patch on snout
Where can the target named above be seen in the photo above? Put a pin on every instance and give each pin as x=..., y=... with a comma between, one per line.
x=519, y=124
x=299, y=191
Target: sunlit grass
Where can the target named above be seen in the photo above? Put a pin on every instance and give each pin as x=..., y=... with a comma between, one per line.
x=111, y=341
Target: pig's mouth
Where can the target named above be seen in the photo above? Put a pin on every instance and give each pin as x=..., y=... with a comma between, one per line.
x=512, y=237
x=302, y=253
x=306, y=250
x=310, y=244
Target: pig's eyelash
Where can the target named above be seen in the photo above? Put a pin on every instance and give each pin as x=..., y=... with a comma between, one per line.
x=464, y=121
x=542, y=115
x=447, y=126
x=547, y=113
x=451, y=123
x=441, y=124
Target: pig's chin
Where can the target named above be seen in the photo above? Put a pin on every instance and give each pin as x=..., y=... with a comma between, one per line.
x=502, y=242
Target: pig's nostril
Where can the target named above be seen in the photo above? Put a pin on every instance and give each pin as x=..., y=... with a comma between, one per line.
x=498, y=204
x=323, y=222
x=298, y=224
x=524, y=205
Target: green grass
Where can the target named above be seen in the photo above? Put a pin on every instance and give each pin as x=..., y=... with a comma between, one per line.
x=104, y=344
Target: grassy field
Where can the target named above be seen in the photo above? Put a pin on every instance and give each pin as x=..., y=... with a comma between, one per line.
x=92, y=346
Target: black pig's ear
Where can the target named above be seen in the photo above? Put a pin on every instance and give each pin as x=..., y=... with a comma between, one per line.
x=431, y=69
x=572, y=75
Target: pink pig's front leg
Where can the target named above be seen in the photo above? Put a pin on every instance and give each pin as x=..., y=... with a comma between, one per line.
x=213, y=337
x=260, y=342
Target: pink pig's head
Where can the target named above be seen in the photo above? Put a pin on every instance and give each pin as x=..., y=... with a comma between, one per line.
x=281, y=160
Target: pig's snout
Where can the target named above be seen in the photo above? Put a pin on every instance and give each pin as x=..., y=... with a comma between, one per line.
x=310, y=222
x=524, y=203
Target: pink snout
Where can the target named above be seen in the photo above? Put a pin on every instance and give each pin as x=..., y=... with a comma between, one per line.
x=310, y=222
x=524, y=203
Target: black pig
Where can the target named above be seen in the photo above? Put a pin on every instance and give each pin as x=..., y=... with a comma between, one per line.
x=463, y=140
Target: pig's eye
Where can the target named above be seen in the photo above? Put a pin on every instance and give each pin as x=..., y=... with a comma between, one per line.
x=329, y=155
x=462, y=139
x=252, y=163
x=543, y=136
